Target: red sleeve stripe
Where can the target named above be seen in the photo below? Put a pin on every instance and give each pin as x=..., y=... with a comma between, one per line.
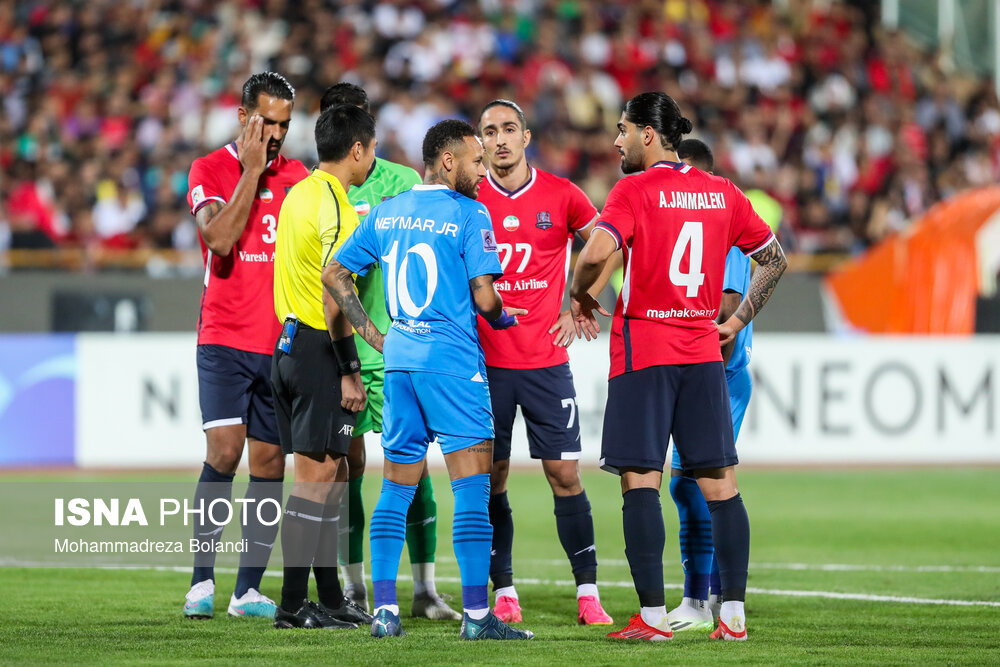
x=606, y=227
x=761, y=246
x=197, y=208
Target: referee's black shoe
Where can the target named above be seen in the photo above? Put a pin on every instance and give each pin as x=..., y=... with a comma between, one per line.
x=350, y=612
x=310, y=615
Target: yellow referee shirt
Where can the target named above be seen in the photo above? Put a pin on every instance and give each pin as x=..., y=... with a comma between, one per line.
x=315, y=219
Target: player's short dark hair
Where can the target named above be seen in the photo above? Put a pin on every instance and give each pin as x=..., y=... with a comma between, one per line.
x=271, y=83
x=697, y=153
x=444, y=135
x=510, y=104
x=339, y=128
x=660, y=112
x=344, y=93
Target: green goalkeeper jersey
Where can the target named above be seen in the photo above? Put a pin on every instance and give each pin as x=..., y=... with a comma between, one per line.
x=387, y=179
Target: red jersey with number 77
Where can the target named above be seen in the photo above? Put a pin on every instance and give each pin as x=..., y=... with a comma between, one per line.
x=676, y=225
x=237, y=303
x=534, y=226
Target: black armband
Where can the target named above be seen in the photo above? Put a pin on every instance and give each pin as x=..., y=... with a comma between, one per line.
x=347, y=355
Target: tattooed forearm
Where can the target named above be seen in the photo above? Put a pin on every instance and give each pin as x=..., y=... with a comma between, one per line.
x=340, y=284
x=771, y=263
x=485, y=296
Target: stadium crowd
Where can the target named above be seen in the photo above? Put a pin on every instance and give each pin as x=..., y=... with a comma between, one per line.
x=838, y=129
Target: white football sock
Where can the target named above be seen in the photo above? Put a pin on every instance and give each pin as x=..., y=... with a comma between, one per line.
x=587, y=589
x=694, y=603
x=653, y=616
x=354, y=574
x=731, y=608
x=393, y=608
x=507, y=591
x=477, y=614
x=423, y=578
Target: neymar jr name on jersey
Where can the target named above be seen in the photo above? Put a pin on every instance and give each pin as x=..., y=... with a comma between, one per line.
x=419, y=224
x=693, y=200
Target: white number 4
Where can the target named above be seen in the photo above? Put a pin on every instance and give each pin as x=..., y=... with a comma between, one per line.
x=691, y=234
x=571, y=404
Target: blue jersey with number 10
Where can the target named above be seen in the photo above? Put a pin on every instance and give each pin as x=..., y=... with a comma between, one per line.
x=430, y=241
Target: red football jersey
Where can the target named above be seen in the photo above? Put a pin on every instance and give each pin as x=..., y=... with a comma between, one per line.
x=676, y=225
x=534, y=228
x=237, y=304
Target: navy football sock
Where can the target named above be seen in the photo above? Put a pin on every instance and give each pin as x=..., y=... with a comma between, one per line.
x=387, y=531
x=328, y=587
x=257, y=536
x=300, y=528
x=642, y=521
x=472, y=536
x=575, y=526
x=695, y=536
x=212, y=485
x=731, y=528
x=716, y=580
x=501, y=567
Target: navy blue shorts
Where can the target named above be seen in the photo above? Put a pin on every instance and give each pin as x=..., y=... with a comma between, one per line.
x=548, y=404
x=234, y=387
x=689, y=402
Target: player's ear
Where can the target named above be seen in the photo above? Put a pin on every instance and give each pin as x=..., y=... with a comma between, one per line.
x=242, y=114
x=527, y=136
x=447, y=160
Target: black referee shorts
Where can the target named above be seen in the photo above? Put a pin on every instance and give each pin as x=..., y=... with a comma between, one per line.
x=306, y=388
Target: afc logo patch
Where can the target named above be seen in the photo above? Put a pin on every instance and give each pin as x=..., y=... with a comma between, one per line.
x=489, y=241
x=543, y=220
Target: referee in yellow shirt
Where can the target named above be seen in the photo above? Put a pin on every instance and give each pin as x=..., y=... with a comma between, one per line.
x=315, y=368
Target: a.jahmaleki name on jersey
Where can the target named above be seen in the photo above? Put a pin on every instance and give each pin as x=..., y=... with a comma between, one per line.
x=530, y=283
x=421, y=224
x=692, y=200
x=256, y=256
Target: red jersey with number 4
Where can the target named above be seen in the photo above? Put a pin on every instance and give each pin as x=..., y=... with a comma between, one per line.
x=534, y=228
x=237, y=303
x=676, y=225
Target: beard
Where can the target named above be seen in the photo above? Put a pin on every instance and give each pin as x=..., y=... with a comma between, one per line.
x=272, y=151
x=467, y=184
x=630, y=165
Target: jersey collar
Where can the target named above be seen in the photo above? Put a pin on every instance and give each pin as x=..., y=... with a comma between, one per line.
x=231, y=147
x=329, y=178
x=676, y=166
x=434, y=186
x=512, y=194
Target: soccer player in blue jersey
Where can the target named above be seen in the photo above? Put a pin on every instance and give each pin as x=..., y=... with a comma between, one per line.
x=697, y=611
x=439, y=259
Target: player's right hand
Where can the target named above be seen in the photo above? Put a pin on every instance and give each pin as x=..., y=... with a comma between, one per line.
x=352, y=392
x=507, y=319
x=584, y=320
x=251, y=146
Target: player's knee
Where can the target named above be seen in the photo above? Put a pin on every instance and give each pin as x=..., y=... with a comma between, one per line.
x=564, y=477
x=224, y=457
x=498, y=476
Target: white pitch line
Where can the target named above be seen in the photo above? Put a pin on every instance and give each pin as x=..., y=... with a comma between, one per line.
x=795, y=567
x=567, y=583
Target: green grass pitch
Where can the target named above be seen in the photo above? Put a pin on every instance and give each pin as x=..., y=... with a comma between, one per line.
x=892, y=538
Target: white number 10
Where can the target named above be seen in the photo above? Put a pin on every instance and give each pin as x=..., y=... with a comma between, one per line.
x=691, y=234
x=395, y=280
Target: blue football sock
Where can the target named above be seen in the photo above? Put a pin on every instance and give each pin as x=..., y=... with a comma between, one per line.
x=695, y=536
x=258, y=537
x=387, y=533
x=501, y=568
x=472, y=536
x=642, y=521
x=212, y=485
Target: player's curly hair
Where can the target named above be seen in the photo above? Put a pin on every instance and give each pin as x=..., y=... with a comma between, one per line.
x=660, y=112
x=270, y=83
x=442, y=136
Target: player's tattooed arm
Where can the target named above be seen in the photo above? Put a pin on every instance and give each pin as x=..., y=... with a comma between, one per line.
x=222, y=224
x=771, y=263
x=340, y=284
x=486, y=297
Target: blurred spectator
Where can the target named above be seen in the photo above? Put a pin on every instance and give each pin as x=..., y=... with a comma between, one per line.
x=845, y=130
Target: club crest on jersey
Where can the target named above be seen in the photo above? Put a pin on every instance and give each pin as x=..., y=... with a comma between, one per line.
x=362, y=207
x=198, y=195
x=511, y=223
x=265, y=195
x=543, y=220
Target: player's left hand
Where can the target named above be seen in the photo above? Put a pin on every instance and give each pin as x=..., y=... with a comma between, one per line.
x=728, y=330
x=352, y=393
x=564, y=329
x=584, y=320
